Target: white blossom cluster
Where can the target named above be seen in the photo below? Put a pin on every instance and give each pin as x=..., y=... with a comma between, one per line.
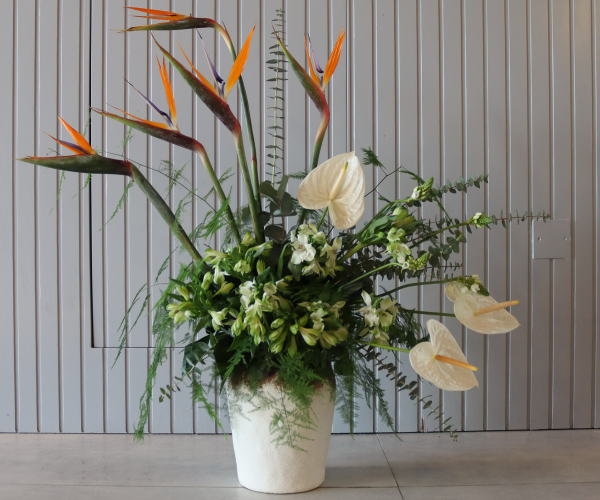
x=311, y=247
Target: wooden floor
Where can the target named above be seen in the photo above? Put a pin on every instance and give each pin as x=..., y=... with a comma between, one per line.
x=493, y=465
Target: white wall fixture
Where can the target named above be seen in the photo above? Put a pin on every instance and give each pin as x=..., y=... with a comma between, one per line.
x=552, y=240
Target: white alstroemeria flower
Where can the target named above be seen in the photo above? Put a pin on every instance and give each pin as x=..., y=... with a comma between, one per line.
x=313, y=268
x=369, y=312
x=219, y=276
x=217, y=318
x=400, y=251
x=335, y=308
x=242, y=267
x=213, y=257
x=480, y=313
x=377, y=335
x=309, y=229
x=269, y=289
x=246, y=290
x=255, y=310
x=309, y=335
x=395, y=234
x=303, y=250
x=387, y=312
x=442, y=361
x=248, y=240
x=338, y=184
x=331, y=250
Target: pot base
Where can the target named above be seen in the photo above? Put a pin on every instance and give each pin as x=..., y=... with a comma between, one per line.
x=263, y=465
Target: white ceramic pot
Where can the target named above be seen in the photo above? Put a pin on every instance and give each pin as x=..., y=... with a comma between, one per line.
x=266, y=466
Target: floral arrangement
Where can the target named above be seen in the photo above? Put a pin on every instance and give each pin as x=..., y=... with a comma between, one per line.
x=291, y=292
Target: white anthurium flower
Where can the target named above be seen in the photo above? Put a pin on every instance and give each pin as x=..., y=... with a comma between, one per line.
x=338, y=184
x=481, y=313
x=303, y=250
x=485, y=315
x=442, y=361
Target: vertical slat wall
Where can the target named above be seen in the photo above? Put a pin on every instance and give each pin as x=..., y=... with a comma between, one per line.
x=446, y=88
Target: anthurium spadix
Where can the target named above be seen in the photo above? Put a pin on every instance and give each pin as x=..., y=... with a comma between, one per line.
x=481, y=313
x=339, y=185
x=441, y=361
x=87, y=161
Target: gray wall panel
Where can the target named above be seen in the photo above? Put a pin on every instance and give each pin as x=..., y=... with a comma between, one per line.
x=448, y=88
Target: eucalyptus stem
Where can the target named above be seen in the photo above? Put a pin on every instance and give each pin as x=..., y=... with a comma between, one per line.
x=387, y=347
x=431, y=235
x=352, y=251
x=213, y=177
x=370, y=273
x=418, y=283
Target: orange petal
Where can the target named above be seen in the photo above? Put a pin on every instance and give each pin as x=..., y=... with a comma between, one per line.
x=199, y=75
x=334, y=58
x=168, y=91
x=238, y=65
x=147, y=122
x=161, y=13
x=81, y=142
x=160, y=18
x=312, y=71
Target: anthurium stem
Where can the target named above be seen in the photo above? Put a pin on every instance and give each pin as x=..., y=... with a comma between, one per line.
x=220, y=193
x=164, y=210
x=322, y=217
x=432, y=313
x=317, y=150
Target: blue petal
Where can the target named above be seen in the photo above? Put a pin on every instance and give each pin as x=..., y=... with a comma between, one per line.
x=317, y=66
x=75, y=146
x=220, y=84
x=166, y=116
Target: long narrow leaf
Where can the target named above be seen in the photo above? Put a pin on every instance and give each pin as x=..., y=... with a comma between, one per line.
x=87, y=164
x=164, y=134
x=165, y=212
x=181, y=24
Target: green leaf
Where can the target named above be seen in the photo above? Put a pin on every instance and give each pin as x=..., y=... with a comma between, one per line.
x=276, y=233
x=267, y=190
x=282, y=186
x=87, y=164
